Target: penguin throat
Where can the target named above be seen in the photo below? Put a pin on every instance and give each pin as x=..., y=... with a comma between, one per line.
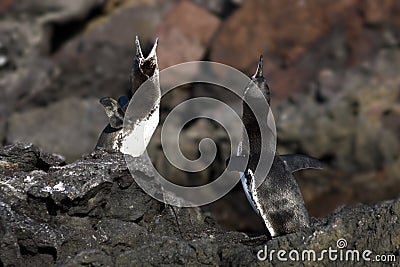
x=134, y=141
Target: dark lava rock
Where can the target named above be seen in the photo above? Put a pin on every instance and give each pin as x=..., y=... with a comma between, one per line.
x=91, y=213
x=26, y=157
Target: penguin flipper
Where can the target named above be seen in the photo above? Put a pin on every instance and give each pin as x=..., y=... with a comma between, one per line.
x=123, y=102
x=114, y=112
x=296, y=162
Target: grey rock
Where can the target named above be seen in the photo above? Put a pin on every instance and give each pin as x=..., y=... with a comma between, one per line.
x=89, y=63
x=94, y=257
x=29, y=237
x=26, y=32
x=352, y=127
x=348, y=124
x=59, y=49
x=81, y=120
x=27, y=157
x=79, y=215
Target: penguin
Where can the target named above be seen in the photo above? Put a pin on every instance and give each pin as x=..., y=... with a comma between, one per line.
x=278, y=199
x=132, y=137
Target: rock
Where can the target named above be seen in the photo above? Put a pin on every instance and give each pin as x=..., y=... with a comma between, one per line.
x=16, y=48
x=94, y=257
x=221, y=8
x=350, y=130
x=294, y=38
x=25, y=39
x=183, y=38
x=82, y=120
x=55, y=51
x=375, y=13
x=5, y=5
x=65, y=216
x=252, y=29
x=24, y=237
x=27, y=158
x=89, y=64
x=52, y=50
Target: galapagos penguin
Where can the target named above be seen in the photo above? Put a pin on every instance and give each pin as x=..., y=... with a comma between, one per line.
x=133, y=136
x=278, y=199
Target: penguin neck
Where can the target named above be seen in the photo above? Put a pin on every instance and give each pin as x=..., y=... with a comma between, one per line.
x=253, y=126
x=146, y=99
x=253, y=147
x=263, y=86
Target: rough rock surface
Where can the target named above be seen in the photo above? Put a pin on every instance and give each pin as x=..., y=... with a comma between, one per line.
x=52, y=51
x=92, y=213
x=355, y=130
x=301, y=37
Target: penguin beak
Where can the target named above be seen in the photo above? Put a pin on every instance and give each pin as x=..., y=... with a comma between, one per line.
x=139, y=53
x=152, y=53
x=143, y=68
x=149, y=64
x=259, y=71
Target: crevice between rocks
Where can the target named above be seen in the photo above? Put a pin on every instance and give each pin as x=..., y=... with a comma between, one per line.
x=40, y=250
x=5, y=131
x=50, y=205
x=62, y=31
x=177, y=222
x=138, y=220
x=42, y=165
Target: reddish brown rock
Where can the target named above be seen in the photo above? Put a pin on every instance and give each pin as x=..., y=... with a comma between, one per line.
x=284, y=29
x=5, y=5
x=376, y=12
x=300, y=37
x=285, y=82
x=185, y=34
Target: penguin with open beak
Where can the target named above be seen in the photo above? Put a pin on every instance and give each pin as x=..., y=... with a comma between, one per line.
x=278, y=199
x=133, y=136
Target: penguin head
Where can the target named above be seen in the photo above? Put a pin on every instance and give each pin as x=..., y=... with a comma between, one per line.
x=143, y=67
x=259, y=80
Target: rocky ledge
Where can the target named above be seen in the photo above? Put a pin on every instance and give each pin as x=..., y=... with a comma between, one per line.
x=92, y=213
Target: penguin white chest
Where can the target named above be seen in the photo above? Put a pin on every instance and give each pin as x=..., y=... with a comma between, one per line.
x=134, y=141
x=245, y=185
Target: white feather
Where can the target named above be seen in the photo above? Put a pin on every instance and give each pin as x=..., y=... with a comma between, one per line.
x=135, y=142
x=259, y=207
x=244, y=184
x=252, y=196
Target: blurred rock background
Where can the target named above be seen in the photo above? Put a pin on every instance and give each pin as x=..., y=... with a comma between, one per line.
x=332, y=67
